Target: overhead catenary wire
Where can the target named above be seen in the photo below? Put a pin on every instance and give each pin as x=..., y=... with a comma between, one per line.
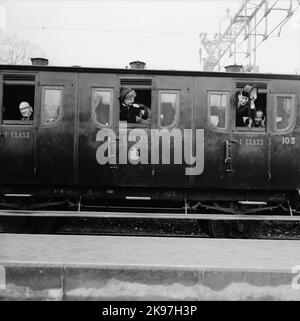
x=102, y=30
x=242, y=21
x=282, y=23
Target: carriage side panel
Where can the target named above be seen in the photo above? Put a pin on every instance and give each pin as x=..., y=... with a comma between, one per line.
x=285, y=136
x=57, y=104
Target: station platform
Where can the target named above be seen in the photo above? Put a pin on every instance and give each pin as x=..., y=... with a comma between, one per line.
x=59, y=267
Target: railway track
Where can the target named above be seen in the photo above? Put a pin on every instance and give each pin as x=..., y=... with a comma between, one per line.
x=148, y=227
x=129, y=234
x=138, y=214
x=156, y=235
x=154, y=222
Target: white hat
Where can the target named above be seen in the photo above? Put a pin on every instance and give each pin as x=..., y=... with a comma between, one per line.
x=24, y=105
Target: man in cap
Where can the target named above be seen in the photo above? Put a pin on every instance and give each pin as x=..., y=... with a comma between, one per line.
x=246, y=106
x=26, y=110
x=130, y=111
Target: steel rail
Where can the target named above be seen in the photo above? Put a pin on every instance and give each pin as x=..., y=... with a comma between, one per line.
x=113, y=214
x=169, y=235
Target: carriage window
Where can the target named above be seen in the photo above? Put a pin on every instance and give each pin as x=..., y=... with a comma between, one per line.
x=101, y=106
x=251, y=107
x=217, y=110
x=284, y=112
x=168, y=108
x=51, y=105
x=135, y=107
x=18, y=102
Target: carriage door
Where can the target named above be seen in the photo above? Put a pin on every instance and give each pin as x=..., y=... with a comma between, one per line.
x=17, y=134
x=174, y=96
x=55, y=139
x=134, y=166
x=249, y=149
x=96, y=158
x=285, y=173
x=212, y=113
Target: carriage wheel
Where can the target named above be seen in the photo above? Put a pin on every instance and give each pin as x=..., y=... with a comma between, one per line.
x=29, y=225
x=46, y=225
x=217, y=228
x=245, y=229
x=16, y=224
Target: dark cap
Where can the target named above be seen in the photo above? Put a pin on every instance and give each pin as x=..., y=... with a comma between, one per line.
x=247, y=90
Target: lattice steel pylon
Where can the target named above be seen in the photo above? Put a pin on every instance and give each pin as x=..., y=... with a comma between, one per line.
x=251, y=22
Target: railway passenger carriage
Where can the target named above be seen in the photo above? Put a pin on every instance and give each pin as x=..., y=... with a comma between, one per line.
x=53, y=157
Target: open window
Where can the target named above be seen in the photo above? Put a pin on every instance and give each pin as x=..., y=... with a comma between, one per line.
x=18, y=89
x=251, y=106
x=137, y=111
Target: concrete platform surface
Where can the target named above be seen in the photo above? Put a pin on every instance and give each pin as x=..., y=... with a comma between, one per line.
x=56, y=267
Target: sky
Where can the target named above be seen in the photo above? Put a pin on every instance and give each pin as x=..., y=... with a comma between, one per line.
x=164, y=34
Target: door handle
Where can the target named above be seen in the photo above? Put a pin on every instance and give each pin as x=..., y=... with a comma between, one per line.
x=227, y=152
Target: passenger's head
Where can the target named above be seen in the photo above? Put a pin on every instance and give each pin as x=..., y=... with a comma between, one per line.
x=25, y=109
x=246, y=94
x=259, y=116
x=243, y=100
x=127, y=95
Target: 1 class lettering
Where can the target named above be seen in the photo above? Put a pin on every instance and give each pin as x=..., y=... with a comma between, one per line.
x=20, y=135
x=252, y=141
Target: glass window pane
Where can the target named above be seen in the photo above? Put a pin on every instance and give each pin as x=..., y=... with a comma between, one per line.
x=217, y=117
x=284, y=112
x=218, y=100
x=168, y=108
x=223, y=100
x=213, y=100
x=217, y=110
x=101, y=102
x=52, y=105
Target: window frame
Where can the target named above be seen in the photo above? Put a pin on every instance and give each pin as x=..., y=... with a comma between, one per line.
x=293, y=113
x=176, y=118
x=250, y=129
x=93, y=114
x=227, y=109
x=126, y=83
x=24, y=83
x=58, y=120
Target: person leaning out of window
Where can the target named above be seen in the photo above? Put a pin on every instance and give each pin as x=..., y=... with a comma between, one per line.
x=26, y=111
x=246, y=108
x=129, y=110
